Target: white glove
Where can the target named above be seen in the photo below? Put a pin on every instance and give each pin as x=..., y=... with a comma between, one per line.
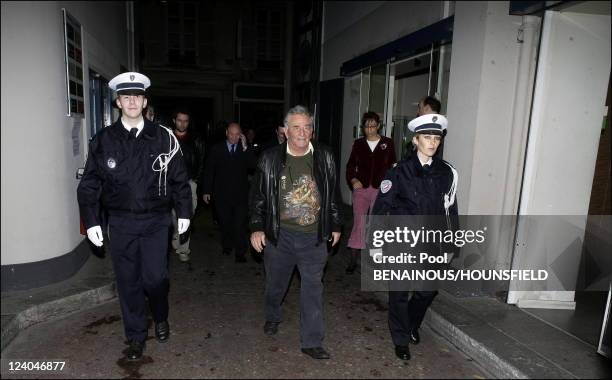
x=94, y=234
x=183, y=225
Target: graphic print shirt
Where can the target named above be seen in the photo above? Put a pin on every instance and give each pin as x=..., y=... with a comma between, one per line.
x=300, y=201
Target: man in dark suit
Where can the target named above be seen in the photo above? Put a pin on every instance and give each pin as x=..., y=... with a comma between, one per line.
x=225, y=180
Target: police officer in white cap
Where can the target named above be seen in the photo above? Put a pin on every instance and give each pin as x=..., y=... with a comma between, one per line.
x=421, y=184
x=136, y=173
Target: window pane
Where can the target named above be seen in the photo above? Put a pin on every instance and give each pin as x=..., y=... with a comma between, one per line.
x=189, y=57
x=173, y=25
x=70, y=31
x=174, y=55
x=189, y=9
x=377, y=89
x=173, y=9
x=77, y=38
x=188, y=26
x=189, y=41
x=173, y=41
x=262, y=17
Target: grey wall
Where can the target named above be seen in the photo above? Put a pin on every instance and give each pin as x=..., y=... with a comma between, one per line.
x=481, y=103
x=348, y=34
x=40, y=218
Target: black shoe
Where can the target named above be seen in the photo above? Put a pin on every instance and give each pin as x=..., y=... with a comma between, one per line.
x=414, y=336
x=134, y=352
x=240, y=259
x=271, y=328
x=402, y=352
x=316, y=353
x=162, y=331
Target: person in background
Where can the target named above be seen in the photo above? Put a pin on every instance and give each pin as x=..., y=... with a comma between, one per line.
x=192, y=147
x=371, y=157
x=150, y=113
x=225, y=181
x=279, y=138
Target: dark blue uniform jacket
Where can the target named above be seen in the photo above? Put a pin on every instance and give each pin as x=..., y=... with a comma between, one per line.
x=125, y=176
x=418, y=190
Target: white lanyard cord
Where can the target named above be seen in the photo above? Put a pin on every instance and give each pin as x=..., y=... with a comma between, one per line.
x=162, y=161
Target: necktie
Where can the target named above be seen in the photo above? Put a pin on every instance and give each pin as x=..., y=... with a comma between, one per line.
x=233, y=148
x=133, y=132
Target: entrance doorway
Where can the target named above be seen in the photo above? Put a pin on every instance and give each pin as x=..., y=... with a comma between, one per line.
x=393, y=90
x=201, y=109
x=410, y=80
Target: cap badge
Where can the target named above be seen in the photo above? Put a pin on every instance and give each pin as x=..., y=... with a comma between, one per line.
x=132, y=77
x=434, y=119
x=111, y=163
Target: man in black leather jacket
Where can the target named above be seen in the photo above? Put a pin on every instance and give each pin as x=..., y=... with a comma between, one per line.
x=294, y=211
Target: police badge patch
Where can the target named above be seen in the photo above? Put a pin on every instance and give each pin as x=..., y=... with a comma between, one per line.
x=111, y=163
x=385, y=186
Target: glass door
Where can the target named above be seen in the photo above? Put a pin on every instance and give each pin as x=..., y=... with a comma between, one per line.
x=410, y=80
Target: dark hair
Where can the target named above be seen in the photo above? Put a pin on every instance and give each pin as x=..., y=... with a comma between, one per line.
x=182, y=110
x=433, y=103
x=370, y=115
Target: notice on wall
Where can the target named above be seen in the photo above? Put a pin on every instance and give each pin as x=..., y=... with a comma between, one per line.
x=76, y=136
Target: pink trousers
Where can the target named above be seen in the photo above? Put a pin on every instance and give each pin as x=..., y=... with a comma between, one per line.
x=363, y=200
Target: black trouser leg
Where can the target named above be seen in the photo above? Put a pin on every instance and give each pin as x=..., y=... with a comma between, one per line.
x=225, y=218
x=311, y=260
x=240, y=230
x=279, y=262
x=399, y=317
x=155, y=269
x=138, y=249
x=418, y=305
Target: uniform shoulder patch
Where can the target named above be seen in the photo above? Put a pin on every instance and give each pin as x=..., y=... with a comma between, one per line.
x=385, y=186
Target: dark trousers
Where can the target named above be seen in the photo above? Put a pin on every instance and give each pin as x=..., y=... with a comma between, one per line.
x=232, y=217
x=407, y=314
x=295, y=248
x=139, y=248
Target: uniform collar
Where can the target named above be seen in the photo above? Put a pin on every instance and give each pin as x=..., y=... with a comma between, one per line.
x=139, y=126
x=425, y=163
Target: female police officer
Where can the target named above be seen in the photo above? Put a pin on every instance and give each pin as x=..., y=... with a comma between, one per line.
x=136, y=172
x=422, y=184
